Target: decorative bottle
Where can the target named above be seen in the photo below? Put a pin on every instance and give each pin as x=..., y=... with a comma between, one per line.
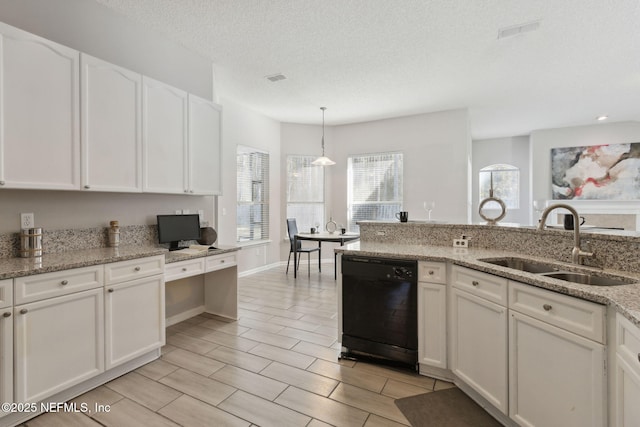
x=331, y=226
x=114, y=234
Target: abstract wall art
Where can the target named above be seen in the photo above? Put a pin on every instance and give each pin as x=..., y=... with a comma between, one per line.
x=597, y=172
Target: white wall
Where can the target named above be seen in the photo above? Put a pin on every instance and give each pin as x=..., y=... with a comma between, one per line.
x=97, y=30
x=437, y=150
x=542, y=141
x=242, y=126
x=513, y=151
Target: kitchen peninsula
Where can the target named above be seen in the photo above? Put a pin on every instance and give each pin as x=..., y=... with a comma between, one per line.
x=504, y=335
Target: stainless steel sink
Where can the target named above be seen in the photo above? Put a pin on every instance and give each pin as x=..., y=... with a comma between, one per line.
x=522, y=265
x=591, y=279
x=554, y=271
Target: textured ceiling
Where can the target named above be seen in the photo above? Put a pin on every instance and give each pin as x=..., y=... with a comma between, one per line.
x=373, y=59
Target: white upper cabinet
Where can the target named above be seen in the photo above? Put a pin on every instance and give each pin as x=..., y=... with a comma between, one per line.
x=111, y=127
x=164, y=138
x=204, y=146
x=39, y=133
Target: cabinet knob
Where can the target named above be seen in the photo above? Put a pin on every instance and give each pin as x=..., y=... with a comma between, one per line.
x=547, y=307
x=6, y=314
x=475, y=283
x=64, y=282
x=638, y=357
x=184, y=268
x=110, y=290
x=137, y=269
x=87, y=187
x=186, y=190
x=431, y=272
x=1, y=182
x=24, y=311
x=221, y=261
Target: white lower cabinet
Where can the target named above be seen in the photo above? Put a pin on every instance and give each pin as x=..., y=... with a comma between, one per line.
x=556, y=377
x=626, y=389
x=6, y=342
x=556, y=374
x=59, y=342
x=479, y=346
x=135, y=320
x=432, y=314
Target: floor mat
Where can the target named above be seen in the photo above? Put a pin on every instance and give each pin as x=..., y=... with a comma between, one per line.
x=444, y=408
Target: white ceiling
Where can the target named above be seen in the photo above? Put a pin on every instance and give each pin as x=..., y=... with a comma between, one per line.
x=373, y=59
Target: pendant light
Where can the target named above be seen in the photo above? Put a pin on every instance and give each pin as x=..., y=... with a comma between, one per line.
x=323, y=161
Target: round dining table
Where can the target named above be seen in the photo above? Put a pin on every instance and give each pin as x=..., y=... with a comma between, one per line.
x=322, y=237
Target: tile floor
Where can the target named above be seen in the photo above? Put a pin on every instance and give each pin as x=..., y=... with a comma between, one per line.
x=276, y=366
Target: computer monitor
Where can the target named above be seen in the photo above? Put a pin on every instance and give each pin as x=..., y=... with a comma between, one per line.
x=174, y=228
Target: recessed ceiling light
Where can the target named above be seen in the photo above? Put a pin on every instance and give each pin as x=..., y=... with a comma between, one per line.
x=601, y=118
x=276, y=77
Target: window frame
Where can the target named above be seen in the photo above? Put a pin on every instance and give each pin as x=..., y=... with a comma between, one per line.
x=259, y=191
x=397, y=203
x=512, y=203
x=301, y=221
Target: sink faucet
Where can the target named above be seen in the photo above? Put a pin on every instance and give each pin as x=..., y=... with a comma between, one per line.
x=577, y=254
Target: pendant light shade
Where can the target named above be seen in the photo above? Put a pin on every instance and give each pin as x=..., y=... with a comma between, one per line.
x=323, y=161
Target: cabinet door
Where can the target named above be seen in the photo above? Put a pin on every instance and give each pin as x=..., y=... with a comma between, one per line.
x=627, y=394
x=111, y=127
x=432, y=324
x=39, y=127
x=135, y=323
x=6, y=356
x=59, y=343
x=204, y=147
x=556, y=377
x=164, y=138
x=479, y=346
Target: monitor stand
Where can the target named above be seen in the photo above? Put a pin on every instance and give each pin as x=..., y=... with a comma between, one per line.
x=173, y=246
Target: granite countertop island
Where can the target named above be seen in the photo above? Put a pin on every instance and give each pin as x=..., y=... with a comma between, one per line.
x=625, y=298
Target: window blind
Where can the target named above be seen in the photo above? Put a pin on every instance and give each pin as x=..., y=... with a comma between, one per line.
x=374, y=187
x=252, y=168
x=305, y=192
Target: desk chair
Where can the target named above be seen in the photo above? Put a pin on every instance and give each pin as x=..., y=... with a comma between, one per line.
x=292, y=229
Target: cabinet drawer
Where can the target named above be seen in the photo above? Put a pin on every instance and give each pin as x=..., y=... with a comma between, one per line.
x=484, y=285
x=217, y=262
x=575, y=315
x=179, y=270
x=49, y=285
x=432, y=272
x=6, y=293
x=628, y=342
x=133, y=269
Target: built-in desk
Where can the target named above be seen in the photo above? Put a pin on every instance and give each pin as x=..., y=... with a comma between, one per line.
x=219, y=272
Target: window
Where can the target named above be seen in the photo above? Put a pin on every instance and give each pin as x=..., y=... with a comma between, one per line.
x=252, y=220
x=374, y=187
x=506, y=185
x=305, y=192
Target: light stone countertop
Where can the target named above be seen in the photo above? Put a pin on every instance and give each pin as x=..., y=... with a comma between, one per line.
x=625, y=298
x=18, y=267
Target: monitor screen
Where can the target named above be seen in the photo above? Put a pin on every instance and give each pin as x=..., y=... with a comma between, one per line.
x=174, y=228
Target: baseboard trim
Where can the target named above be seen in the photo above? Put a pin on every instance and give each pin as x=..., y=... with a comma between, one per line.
x=184, y=315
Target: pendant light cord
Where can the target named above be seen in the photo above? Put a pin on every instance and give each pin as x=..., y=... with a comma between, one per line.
x=323, y=108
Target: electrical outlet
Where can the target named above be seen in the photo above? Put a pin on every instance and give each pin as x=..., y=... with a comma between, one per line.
x=26, y=220
x=460, y=243
x=201, y=216
x=178, y=211
x=185, y=211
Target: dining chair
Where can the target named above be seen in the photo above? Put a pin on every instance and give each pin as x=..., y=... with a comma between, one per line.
x=292, y=229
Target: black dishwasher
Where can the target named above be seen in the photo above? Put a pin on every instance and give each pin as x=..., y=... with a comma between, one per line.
x=380, y=309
